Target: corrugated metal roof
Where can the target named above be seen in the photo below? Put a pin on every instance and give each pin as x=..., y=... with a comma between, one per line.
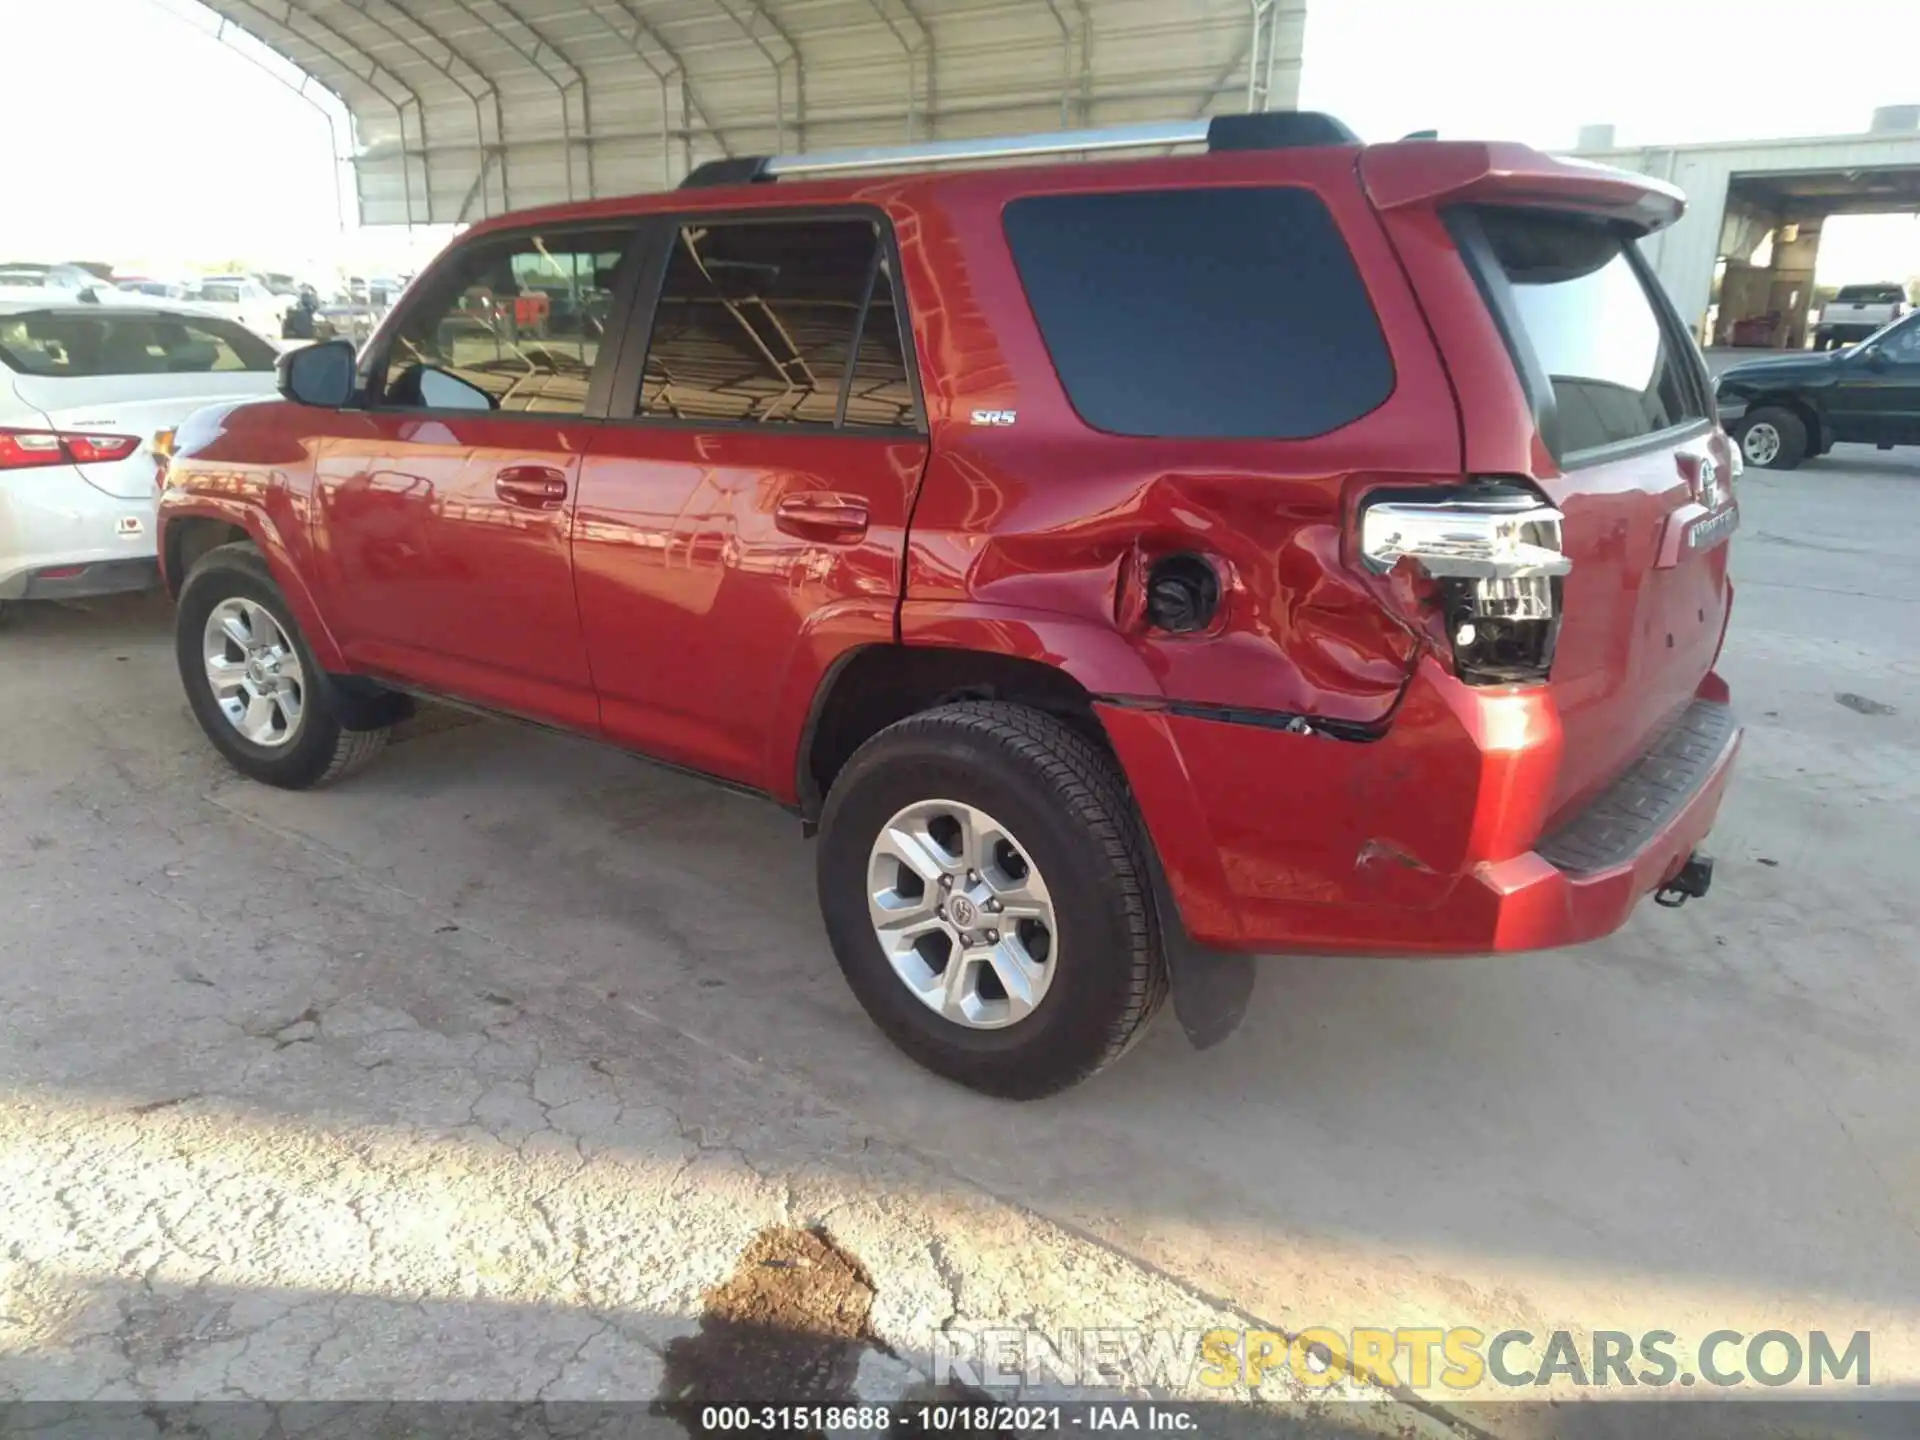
x=464, y=108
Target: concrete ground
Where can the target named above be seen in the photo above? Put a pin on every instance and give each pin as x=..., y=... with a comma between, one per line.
x=479, y=1075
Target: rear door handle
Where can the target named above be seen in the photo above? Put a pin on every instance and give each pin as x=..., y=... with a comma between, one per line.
x=531, y=487
x=822, y=517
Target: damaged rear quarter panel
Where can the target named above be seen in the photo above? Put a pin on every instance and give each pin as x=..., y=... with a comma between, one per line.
x=1046, y=517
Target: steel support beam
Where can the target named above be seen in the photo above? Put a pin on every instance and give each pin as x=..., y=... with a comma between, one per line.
x=532, y=57
x=1263, y=49
x=444, y=68
x=478, y=187
x=690, y=106
x=579, y=78
x=284, y=20
x=335, y=153
x=481, y=77
x=757, y=16
x=911, y=51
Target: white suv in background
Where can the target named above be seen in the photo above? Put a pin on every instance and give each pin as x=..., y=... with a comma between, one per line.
x=243, y=300
x=83, y=389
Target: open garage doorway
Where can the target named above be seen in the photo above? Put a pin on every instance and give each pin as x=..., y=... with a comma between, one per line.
x=1767, y=291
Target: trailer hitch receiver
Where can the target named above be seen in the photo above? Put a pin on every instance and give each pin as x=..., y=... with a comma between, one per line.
x=1689, y=882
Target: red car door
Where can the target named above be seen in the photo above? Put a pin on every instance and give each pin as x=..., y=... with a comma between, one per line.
x=743, y=512
x=444, y=509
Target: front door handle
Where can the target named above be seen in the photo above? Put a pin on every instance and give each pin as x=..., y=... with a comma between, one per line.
x=822, y=517
x=531, y=487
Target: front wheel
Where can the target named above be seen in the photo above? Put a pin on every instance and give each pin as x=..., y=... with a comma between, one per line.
x=253, y=684
x=1772, y=438
x=984, y=885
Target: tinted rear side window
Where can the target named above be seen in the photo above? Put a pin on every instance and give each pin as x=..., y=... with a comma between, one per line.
x=1201, y=313
x=1577, y=311
x=778, y=323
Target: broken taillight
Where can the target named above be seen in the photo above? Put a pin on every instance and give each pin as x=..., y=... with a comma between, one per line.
x=1493, y=550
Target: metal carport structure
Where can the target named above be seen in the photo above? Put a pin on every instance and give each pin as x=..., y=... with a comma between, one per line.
x=464, y=108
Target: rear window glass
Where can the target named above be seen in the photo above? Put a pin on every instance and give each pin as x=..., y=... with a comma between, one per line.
x=1584, y=313
x=75, y=346
x=1221, y=313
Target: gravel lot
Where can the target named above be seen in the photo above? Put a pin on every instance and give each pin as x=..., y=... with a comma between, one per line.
x=480, y=1075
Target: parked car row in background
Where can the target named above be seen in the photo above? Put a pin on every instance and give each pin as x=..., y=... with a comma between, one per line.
x=271, y=304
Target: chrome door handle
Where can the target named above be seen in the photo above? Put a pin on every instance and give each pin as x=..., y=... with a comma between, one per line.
x=822, y=517
x=531, y=487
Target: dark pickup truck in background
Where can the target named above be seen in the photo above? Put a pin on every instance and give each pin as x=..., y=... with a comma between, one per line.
x=1785, y=408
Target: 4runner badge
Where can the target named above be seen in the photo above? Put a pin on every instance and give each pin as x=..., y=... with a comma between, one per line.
x=995, y=417
x=1713, y=489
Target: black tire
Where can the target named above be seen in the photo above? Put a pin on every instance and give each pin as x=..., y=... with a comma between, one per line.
x=322, y=749
x=1063, y=800
x=1791, y=429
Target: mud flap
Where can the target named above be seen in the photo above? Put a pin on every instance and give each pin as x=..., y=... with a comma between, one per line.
x=1211, y=988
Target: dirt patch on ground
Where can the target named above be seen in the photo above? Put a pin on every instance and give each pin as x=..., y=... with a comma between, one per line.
x=787, y=1327
x=1864, y=705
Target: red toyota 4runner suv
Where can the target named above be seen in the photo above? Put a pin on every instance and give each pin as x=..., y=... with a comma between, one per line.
x=1127, y=565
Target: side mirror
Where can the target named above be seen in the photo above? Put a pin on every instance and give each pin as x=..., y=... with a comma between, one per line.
x=318, y=375
x=1874, y=358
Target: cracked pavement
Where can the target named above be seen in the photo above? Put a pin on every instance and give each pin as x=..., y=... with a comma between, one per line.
x=470, y=1078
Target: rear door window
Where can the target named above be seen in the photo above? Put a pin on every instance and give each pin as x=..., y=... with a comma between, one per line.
x=779, y=323
x=519, y=321
x=61, y=344
x=1215, y=313
x=1579, y=315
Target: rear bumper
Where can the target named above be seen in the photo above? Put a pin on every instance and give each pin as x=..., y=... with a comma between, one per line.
x=51, y=519
x=1427, y=841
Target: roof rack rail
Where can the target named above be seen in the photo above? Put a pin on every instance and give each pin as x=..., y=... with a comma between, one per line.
x=1262, y=130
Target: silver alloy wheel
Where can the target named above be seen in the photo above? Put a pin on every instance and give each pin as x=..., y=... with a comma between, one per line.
x=1761, y=444
x=962, y=914
x=254, y=671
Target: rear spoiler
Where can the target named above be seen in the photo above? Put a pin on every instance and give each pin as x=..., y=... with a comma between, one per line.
x=1431, y=172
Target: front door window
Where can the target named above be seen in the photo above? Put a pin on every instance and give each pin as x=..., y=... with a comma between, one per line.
x=521, y=322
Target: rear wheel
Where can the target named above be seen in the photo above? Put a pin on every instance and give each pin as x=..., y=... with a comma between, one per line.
x=253, y=684
x=1772, y=438
x=984, y=887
